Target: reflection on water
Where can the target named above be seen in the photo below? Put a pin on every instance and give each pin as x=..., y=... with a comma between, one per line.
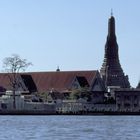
x=70, y=127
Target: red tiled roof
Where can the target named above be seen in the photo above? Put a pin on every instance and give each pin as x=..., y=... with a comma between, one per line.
x=45, y=81
x=5, y=81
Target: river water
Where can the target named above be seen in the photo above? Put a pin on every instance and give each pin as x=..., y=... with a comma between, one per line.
x=69, y=127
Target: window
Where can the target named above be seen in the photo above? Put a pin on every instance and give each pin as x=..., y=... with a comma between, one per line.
x=3, y=106
x=135, y=97
x=135, y=105
x=126, y=105
x=127, y=97
x=119, y=105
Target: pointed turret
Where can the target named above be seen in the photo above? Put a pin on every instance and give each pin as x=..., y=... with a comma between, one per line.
x=111, y=70
x=111, y=47
x=111, y=27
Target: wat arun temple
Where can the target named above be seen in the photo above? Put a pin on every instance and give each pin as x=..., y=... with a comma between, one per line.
x=111, y=70
x=107, y=91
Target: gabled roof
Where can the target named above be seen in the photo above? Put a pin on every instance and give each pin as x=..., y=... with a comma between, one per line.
x=5, y=81
x=82, y=81
x=29, y=82
x=62, y=80
x=46, y=81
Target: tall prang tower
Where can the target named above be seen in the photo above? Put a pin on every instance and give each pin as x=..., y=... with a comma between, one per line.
x=111, y=70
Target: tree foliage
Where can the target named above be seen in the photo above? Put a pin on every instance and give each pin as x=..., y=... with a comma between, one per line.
x=83, y=93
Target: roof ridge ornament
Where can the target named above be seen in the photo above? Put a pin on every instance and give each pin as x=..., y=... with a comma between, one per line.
x=58, y=69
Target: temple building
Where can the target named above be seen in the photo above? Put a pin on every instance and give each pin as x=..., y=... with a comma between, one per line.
x=111, y=70
x=60, y=81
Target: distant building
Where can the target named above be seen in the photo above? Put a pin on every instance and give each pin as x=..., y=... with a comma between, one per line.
x=128, y=100
x=6, y=104
x=111, y=70
x=59, y=81
x=24, y=83
x=138, y=86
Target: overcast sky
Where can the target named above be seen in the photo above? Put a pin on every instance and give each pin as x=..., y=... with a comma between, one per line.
x=70, y=34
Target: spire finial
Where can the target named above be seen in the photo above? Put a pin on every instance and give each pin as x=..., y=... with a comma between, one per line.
x=111, y=25
x=111, y=12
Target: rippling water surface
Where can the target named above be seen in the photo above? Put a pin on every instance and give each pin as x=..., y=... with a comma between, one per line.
x=70, y=127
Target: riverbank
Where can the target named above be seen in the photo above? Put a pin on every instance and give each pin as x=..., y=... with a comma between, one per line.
x=40, y=112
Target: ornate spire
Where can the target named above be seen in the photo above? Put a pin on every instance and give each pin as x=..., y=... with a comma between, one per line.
x=111, y=70
x=111, y=47
x=111, y=26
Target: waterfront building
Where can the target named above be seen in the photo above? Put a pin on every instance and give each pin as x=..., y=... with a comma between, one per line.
x=111, y=70
x=6, y=104
x=60, y=81
x=128, y=100
x=6, y=101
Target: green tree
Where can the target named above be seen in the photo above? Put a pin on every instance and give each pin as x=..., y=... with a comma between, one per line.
x=83, y=93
